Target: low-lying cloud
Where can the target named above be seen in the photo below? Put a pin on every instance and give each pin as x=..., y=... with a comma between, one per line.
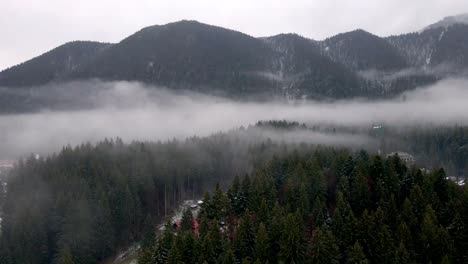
x=134, y=111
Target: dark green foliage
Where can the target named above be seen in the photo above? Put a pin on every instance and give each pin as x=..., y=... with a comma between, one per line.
x=262, y=244
x=379, y=229
x=324, y=248
x=97, y=199
x=245, y=238
x=309, y=205
x=229, y=257
x=356, y=255
x=187, y=221
x=292, y=242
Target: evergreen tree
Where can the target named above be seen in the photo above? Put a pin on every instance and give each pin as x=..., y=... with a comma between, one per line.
x=220, y=204
x=344, y=223
x=229, y=257
x=459, y=234
x=324, y=248
x=176, y=252
x=245, y=240
x=65, y=256
x=234, y=195
x=402, y=255
x=190, y=248
x=356, y=255
x=186, y=223
x=164, y=245
x=434, y=238
x=149, y=236
x=275, y=231
x=292, y=241
x=262, y=247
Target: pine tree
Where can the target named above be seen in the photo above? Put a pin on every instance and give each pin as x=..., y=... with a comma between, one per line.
x=382, y=241
x=65, y=256
x=408, y=216
x=319, y=213
x=245, y=240
x=344, y=223
x=164, y=245
x=276, y=228
x=219, y=203
x=204, y=226
x=445, y=260
x=189, y=252
x=418, y=203
x=187, y=221
x=402, y=255
x=262, y=247
x=234, y=195
x=292, y=241
x=360, y=194
x=434, y=238
x=176, y=252
x=245, y=194
x=229, y=257
x=207, y=250
x=441, y=186
x=149, y=236
x=356, y=255
x=459, y=234
x=263, y=214
x=207, y=208
x=404, y=236
x=324, y=249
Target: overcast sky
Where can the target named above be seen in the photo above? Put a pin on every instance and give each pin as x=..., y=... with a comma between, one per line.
x=31, y=27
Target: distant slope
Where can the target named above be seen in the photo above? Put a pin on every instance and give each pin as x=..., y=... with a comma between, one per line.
x=360, y=50
x=189, y=55
x=449, y=21
x=52, y=65
x=185, y=54
x=435, y=46
x=307, y=73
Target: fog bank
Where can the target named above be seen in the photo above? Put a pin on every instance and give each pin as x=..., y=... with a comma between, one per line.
x=134, y=111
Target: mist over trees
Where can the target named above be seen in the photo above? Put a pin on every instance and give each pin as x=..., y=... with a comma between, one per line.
x=87, y=202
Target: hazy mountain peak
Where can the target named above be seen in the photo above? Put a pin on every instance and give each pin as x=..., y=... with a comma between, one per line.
x=361, y=50
x=449, y=21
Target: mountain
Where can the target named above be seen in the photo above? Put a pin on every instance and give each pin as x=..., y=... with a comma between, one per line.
x=307, y=73
x=199, y=57
x=449, y=21
x=52, y=65
x=435, y=47
x=188, y=55
x=360, y=50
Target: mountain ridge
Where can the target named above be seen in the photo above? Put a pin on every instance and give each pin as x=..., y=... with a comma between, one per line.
x=190, y=55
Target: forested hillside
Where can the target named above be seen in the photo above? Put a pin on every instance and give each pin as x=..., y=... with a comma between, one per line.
x=88, y=202
x=325, y=206
x=189, y=55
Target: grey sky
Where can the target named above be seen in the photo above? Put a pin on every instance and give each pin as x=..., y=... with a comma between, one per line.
x=31, y=27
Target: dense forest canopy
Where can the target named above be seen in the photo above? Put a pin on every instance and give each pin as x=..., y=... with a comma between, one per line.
x=325, y=206
x=88, y=202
